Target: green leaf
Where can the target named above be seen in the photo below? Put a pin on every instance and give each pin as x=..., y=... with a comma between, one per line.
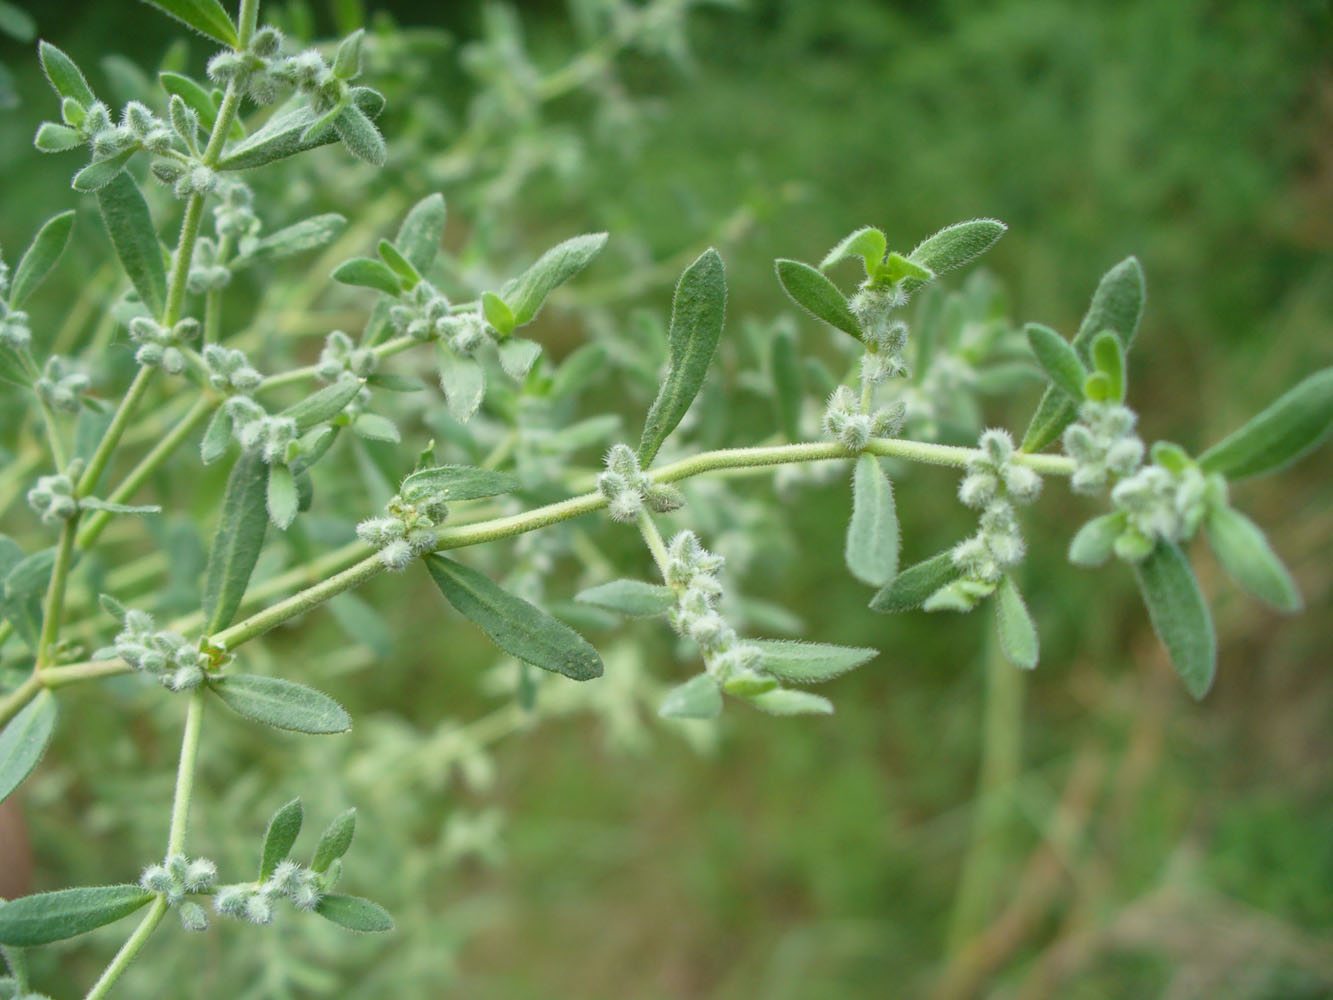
x=1243, y=550
x=872, y=532
x=1058, y=359
x=354, y=913
x=240, y=537
x=818, y=296
x=784, y=701
x=1018, y=633
x=282, y=704
x=65, y=77
x=497, y=313
x=1293, y=425
x=698, y=698
x=517, y=627
x=359, y=135
x=132, y=234
x=526, y=293
x=217, y=436
x=421, y=232
x=868, y=243
x=24, y=580
x=308, y=234
x=205, y=16
x=1116, y=306
x=98, y=174
x=399, y=265
x=16, y=22
x=457, y=482
x=635, y=598
x=334, y=841
x=697, y=314
x=954, y=246
x=809, y=662
x=54, y=138
x=66, y=913
x=14, y=366
x=390, y=382
x=282, y=501
x=323, y=405
x=376, y=427
x=24, y=740
x=196, y=98
x=518, y=355
x=912, y=586
x=1109, y=359
x=1095, y=541
x=368, y=273
x=1179, y=615
x=284, y=134
x=280, y=837
x=463, y=381
x=788, y=385
x=347, y=60
x=36, y=264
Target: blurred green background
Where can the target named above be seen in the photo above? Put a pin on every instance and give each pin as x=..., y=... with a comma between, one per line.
x=1121, y=840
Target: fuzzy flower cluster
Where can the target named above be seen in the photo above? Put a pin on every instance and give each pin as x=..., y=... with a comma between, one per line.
x=692, y=572
x=255, y=69
x=177, y=663
x=424, y=314
x=234, y=215
x=138, y=128
x=14, y=330
x=161, y=345
x=1162, y=503
x=59, y=387
x=255, y=903
x=273, y=436
x=628, y=489
x=207, y=273
x=186, y=178
x=844, y=421
x=53, y=498
x=1102, y=444
x=407, y=532
x=885, y=337
x=178, y=877
x=342, y=358
x=230, y=371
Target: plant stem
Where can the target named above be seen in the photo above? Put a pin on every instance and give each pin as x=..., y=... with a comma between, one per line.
x=73, y=673
x=58, y=453
x=98, y=463
x=15, y=701
x=129, y=950
x=653, y=538
x=180, y=806
x=53, y=607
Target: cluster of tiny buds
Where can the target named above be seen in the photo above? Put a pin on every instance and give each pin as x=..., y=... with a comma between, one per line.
x=185, y=178
x=234, y=215
x=177, y=663
x=14, y=330
x=178, y=877
x=248, y=901
x=53, y=498
x=252, y=68
x=424, y=314
x=408, y=531
x=994, y=473
x=274, y=437
x=628, y=489
x=1102, y=444
x=341, y=357
x=844, y=421
x=207, y=273
x=160, y=345
x=230, y=371
x=1162, y=502
x=60, y=388
x=692, y=572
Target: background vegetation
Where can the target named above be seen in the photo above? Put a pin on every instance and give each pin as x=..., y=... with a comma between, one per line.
x=1121, y=841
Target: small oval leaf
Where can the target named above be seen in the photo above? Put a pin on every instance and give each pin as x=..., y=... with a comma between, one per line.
x=1179, y=615
x=810, y=662
x=282, y=704
x=334, y=841
x=698, y=698
x=872, y=533
x=41, y=256
x=526, y=293
x=1058, y=358
x=1293, y=425
x=635, y=598
x=457, y=482
x=1243, y=550
x=24, y=740
x=912, y=586
x=355, y=913
x=784, y=701
x=817, y=295
x=283, y=829
x=1018, y=633
x=236, y=546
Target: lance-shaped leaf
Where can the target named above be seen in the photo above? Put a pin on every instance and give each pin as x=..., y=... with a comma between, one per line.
x=1116, y=306
x=784, y=701
x=457, y=482
x=280, y=837
x=1293, y=425
x=334, y=841
x=517, y=356
x=196, y=98
x=817, y=295
x=697, y=314
x=24, y=740
x=53, y=138
x=1109, y=358
x=66, y=78
x=809, y=662
x=1058, y=358
x=463, y=382
x=354, y=913
x=526, y=293
x=788, y=385
x=282, y=498
x=368, y=273
x=36, y=263
x=323, y=405
x=872, y=532
x=868, y=243
x=497, y=313
x=519, y=628
x=1241, y=547
x=912, y=586
x=1179, y=615
x=284, y=134
x=698, y=698
x=635, y=598
x=282, y=704
x=1095, y=541
x=205, y=16
x=238, y=541
x=132, y=234
x=1018, y=633
x=359, y=135
x=100, y=173
x=66, y=913
x=952, y=247
x=421, y=232
x=15, y=367
x=308, y=234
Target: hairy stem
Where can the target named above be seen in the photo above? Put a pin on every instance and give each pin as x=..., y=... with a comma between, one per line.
x=129, y=950
x=53, y=607
x=180, y=806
